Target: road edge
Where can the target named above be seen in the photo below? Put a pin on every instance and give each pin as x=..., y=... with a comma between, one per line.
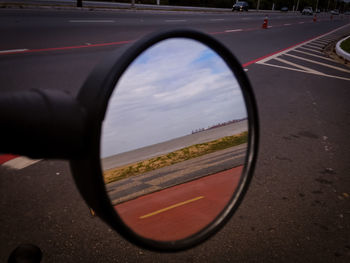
x=340, y=52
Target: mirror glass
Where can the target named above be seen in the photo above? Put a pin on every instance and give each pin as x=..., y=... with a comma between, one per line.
x=174, y=140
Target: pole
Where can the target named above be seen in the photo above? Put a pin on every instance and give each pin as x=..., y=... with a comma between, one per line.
x=297, y=6
x=132, y=3
x=258, y=5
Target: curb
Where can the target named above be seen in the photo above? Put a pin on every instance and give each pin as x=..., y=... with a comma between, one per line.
x=340, y=52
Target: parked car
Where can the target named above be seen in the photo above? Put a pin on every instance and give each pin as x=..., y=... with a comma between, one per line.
x=335, y=12
x=240, y=6
x=284, y=9
x=307, y=11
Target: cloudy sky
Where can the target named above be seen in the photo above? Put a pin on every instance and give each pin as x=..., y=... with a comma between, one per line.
x=171, y=89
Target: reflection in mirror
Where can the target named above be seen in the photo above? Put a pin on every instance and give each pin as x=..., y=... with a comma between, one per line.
x=174, y=140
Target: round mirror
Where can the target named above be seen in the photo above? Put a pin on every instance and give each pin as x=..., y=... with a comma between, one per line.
x=174, y=140
x=171, y=139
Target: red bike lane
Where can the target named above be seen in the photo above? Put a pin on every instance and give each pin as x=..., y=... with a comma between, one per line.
x=180, y=211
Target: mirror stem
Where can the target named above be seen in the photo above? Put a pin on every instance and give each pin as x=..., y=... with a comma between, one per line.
x=41, y=124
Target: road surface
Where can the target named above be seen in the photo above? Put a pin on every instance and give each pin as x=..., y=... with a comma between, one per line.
x=298, y=206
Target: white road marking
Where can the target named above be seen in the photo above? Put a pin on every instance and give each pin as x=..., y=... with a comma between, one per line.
x=303, y=71
x=91, y=21
x=317, y=44
x=319, y=63
x=331, y=39
x=313, y=55
x=310, y=49
x=313, y=46
x=307, y=45
x=281, y=53
x=20, y=163
x=287, y=24
x=282, y=67
x=233, y=30
x=299, y=46
x=217, y=19
x=321, y=41
x=301, y=22
x=179, y=20
x=13, y=50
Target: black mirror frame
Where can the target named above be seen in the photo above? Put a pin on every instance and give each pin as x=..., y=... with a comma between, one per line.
x=94, y=97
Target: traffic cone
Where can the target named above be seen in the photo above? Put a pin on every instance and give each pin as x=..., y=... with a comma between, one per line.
x=264, y=25
x=92, y=212
x=315, y=18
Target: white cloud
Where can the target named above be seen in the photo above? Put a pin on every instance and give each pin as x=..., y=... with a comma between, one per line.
x=174, y=87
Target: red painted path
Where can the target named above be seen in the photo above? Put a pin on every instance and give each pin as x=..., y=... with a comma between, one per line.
x=177, y=212
x=7, y=157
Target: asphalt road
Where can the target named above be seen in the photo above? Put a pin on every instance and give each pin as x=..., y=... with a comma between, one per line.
x=298, y=206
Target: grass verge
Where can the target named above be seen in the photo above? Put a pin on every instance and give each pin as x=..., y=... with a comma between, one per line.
x=178, y=156
x=345, y=45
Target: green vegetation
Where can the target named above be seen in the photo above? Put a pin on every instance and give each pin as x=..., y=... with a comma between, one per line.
x=178, y=156
x=345, y=45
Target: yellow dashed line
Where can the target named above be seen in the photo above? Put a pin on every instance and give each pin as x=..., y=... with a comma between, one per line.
x=171, y=207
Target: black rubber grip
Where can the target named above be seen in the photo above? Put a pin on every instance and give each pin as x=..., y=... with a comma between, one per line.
x=41, y=124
